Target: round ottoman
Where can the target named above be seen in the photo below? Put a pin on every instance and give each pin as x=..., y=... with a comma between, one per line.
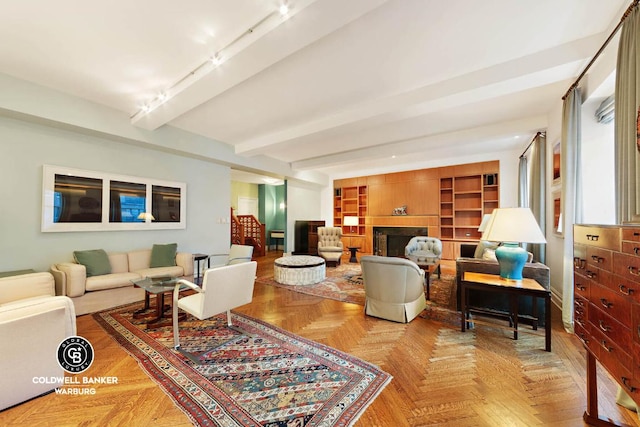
x=299, y=270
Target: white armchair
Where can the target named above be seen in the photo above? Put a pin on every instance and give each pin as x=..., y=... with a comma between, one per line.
x=223, y=288
x=237, y=254
x=33, y=322
x=330, y=245
x=421, y=248
x=394, y=288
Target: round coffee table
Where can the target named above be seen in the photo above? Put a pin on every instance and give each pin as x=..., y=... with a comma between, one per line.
x=299, y=270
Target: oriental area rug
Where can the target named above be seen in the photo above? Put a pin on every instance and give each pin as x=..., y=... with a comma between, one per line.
x=344, y=283
x=259, y=376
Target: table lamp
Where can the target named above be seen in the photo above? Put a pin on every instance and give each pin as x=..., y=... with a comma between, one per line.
x=512, y=226
x=485, y=221
x=146, y=216
x=351, y=221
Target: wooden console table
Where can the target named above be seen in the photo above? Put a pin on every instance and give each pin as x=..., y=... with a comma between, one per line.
x=514, y=289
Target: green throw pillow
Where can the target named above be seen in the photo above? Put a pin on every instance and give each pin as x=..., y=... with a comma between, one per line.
x=164, y=255
x=96, y=261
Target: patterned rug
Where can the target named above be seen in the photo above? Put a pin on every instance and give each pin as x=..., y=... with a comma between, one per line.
x=344, y=283
x=266, y=377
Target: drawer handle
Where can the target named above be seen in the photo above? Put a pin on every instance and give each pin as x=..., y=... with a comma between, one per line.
x=579, y=311
x=604, y=327
x=636, y=250
x=591, y=274
x=636, y=233
x=581, y=287
x=605, y=303
x=625, y=382
x=593, y=237
x=597, y=259
x=579, y=321
x=624, y=290
x=578, y=263
x=584, y=338
x=604, y=345
x=579, y=303
x=633, y=270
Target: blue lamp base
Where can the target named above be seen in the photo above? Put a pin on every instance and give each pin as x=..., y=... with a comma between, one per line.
x=511, y=258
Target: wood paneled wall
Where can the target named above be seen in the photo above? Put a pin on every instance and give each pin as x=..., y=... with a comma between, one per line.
x=419, y=189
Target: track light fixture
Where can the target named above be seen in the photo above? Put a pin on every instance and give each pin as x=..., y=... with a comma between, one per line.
x=212, y=62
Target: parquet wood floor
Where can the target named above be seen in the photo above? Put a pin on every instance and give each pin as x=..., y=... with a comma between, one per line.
x=442, y=377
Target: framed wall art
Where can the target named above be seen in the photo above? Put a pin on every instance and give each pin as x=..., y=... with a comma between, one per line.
x=81, y=200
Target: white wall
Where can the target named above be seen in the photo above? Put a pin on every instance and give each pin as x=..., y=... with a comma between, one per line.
x=598, y=167
x=303, y=203
x=25, y=147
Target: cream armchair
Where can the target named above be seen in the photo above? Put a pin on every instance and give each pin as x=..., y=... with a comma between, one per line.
x=33, y=321
x=423, y=248
x=330, y=244
x=394, y=288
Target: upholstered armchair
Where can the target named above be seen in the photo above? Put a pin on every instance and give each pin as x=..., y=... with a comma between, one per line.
x=33, y=322
x=421, y=248
x=394, y=288
x=329, y=244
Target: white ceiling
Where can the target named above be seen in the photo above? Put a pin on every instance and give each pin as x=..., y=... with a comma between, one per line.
x=334, y=85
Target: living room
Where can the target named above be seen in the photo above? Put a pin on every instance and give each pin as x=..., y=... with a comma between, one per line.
x=97, y=126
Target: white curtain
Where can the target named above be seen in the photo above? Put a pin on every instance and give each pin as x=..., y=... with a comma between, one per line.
x=523, y=184
x=537, y=192
x=627, y=98
x=572, y=206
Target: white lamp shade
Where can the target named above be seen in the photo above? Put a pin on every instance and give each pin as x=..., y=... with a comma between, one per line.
x=351, y=221
x=485, y=221
x=513, y=225
x=146, y=216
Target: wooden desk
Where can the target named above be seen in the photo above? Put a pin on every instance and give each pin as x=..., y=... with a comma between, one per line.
x=514, y=289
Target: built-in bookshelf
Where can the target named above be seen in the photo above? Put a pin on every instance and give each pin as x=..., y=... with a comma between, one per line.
x=350, y=202
x=463, y=202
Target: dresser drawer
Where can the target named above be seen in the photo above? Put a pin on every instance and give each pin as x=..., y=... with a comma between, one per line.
x=631, y=248
x=580, y=311
x=611, y=328
x=601, y=237
x=581, y=286
x=627, y=288
x=627, y=266
x=631, y=234
x=599, y=258
x=611, y=354
x=613, y=304
x=584, y=334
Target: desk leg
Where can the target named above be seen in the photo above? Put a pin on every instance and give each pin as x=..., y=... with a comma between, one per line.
x=514, y=313
x=463, y=306
x=428, y=282
x=547, y=322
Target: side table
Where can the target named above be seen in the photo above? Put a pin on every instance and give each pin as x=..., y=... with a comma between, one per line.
x=197, y=277
x=514, y=289
x=353, y=250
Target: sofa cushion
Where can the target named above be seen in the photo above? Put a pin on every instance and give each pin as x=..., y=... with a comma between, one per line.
x=119, y=262
x=110, y=281
x=175, y=271
x=163, y=255
x=96, y=261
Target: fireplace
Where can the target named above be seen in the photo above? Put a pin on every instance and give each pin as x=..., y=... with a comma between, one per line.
x=391, y=241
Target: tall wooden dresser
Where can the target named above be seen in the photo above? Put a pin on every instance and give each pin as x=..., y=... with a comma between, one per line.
x=606, y=263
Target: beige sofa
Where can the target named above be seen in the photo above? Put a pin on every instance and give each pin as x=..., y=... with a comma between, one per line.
x=394, y=288
x=95, y=293
x=33, y=322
